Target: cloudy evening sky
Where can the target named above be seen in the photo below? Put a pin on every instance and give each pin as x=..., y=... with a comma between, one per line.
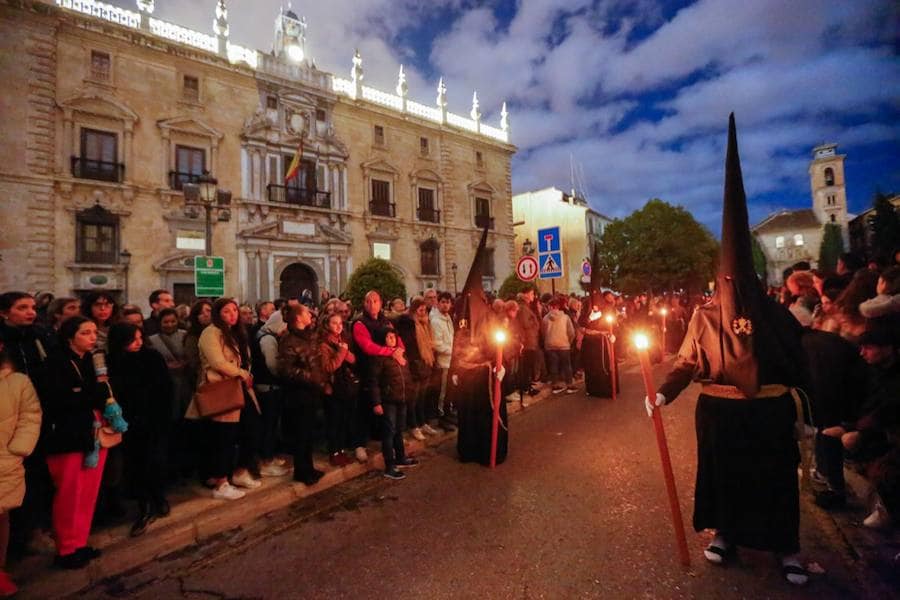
x=637, y=91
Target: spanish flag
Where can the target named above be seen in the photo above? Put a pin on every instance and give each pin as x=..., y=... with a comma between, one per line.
x=294, y=169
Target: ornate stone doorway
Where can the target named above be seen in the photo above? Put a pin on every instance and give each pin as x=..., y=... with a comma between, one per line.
x=296, y=278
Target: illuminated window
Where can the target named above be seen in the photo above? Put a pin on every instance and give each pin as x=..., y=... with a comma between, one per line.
x=798, y=239
x=190, y=240
x=779, y=241
x=381, y=250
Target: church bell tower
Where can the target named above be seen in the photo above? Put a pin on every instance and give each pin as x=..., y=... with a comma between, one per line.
x=829, y=191
x=290, y=37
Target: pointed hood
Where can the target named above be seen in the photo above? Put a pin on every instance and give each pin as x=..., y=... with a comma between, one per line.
x=471, y=312
x=754, y=338
x=595, y=291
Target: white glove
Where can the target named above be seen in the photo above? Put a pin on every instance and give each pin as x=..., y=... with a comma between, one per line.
x=660, y=400
x=612, y=338
x=500, y=374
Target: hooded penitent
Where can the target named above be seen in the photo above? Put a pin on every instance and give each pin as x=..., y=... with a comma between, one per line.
x=471, y=312
x=594, y=289
x=756, y=338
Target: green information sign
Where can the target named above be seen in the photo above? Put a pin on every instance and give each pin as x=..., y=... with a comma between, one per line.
x=209, y=276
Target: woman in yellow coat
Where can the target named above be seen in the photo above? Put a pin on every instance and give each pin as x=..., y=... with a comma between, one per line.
x=20, y=426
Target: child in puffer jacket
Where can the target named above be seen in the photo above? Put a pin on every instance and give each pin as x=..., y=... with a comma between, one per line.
x=391, y=384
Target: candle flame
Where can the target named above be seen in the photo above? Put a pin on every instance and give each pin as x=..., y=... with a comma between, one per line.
x=500, y=336
x=664, y=312
x=641, y=341
x=609, y=319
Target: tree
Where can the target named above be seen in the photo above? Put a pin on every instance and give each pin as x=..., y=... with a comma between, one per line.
x=659, y=247
x=760, y=265
x=831, y=248
x=375, y=274
x=512, y=285
x=885, y=225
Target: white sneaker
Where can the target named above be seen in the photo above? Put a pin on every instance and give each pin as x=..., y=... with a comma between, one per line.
x=273, y=469
x=417, y=433
x=879, y=519
x=244, y=480
x=361, y=454
x=226, y=491
x=429, y=430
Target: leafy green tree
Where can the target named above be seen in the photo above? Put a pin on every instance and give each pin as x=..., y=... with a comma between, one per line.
x=375, y=274
x=512, y=285
x=831, y=247
x=885, y=225
x=759, y=259
x=659, y=247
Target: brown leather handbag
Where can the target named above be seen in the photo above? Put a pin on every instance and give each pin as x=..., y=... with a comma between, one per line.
x=215, y=398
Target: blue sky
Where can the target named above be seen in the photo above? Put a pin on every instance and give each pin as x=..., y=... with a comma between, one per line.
x=636, y=91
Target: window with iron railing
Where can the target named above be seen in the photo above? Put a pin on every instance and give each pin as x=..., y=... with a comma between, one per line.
x=426, y=211
x=380, y=203
x=98, y=160
x=429, y=257
x=298, y=196
x=483, y=216
x=189, y=166
x=190, y=88
x=100, y=65
x=96, y=236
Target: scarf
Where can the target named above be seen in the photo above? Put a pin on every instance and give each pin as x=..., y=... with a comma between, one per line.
x=425, y=339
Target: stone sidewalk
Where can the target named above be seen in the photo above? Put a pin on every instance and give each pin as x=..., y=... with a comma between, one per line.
x=196, y=518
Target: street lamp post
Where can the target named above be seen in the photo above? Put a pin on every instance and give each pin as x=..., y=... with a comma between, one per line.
x=125, y=259
x=207, y=193
x=453, y=268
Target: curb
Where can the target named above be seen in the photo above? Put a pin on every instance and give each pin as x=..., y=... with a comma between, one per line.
x=196, y=519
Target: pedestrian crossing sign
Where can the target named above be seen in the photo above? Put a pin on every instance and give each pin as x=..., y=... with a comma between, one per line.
x=551, y=265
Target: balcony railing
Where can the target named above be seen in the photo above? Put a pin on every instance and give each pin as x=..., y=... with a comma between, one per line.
x=482, y=221
x=177, y=179
x=298, y=196
x=428, y=214
x=382, y=209
x=101, y=170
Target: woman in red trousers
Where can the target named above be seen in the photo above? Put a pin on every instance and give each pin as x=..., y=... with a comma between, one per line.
x=74, y=401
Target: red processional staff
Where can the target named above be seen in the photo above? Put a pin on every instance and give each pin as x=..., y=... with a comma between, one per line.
x=643, y=343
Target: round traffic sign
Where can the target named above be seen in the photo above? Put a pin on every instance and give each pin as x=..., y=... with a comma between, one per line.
x=586, y=268
x=527, y=268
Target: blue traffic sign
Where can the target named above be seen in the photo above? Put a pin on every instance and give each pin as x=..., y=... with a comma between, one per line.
x=551, y=265
x=548, y=240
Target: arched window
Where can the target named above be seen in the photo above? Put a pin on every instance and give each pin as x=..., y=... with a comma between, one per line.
x=429, y=254
x=829, y=176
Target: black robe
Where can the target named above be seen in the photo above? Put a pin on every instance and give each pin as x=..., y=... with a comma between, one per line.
x=747, y=455
x=476, y=415
x=598, y=366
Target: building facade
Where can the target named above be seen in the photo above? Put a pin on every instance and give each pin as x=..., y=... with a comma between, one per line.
x=111, y=117
x=789, y=236
x=580, y=227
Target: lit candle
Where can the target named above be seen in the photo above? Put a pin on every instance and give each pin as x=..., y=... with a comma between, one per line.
x=642, y=343
x=500, y=338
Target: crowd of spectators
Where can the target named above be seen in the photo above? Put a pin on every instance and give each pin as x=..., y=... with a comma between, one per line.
x=337, y=376
x=851, y=321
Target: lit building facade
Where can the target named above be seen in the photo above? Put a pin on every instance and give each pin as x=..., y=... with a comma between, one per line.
x=110, y=115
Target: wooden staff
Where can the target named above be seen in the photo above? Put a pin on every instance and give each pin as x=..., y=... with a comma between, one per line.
x=613, y=365
x=642, y=343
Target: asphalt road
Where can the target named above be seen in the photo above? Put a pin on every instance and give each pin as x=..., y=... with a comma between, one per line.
x=578, y=511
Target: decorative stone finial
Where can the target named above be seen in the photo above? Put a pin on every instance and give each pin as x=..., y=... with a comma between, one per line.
x=145, y=7
x=504, y=118
x=402, y=89
x=220, y=26
x=475, y=113
x=356, y=75
x=442, y=100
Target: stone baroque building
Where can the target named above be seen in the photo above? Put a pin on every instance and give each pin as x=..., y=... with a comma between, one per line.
x=108, y=113
x=790, y=236
x=580, y=227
